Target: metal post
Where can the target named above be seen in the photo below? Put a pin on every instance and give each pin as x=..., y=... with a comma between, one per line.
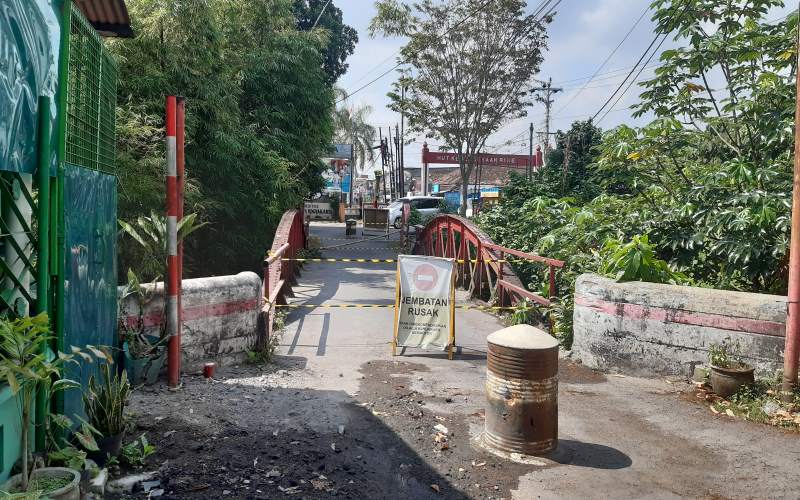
x=530, y=154
x=180, y=140
x=425, y=169
x=352, y=176
x=173, y=324
x=792, y=341
x=43, y=180
x=43, y=263
x=402, y=177
x=500, y=294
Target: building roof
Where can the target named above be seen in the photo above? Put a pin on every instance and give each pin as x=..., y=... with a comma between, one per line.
x=108, y=17
x=489, y=176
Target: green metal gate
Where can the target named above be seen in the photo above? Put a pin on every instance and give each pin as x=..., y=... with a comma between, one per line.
x=90, y=301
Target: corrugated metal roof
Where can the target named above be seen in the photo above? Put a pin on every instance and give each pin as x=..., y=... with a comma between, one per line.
x=109, y=17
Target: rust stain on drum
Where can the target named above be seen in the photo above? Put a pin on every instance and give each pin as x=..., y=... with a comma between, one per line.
x=522, y=391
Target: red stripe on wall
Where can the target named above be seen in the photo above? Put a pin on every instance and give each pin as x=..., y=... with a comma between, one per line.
x=198, y=312
x=637, y=311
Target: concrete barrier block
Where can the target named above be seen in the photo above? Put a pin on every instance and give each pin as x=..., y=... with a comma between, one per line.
x=220, y=317
x=652, y=329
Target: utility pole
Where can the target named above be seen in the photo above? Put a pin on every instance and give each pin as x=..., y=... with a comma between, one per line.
x=791, y=352
x=391, y=164
x=402, y=179
x=530, y=154
x=547, y=99
x=399, y=146
x=384, y=163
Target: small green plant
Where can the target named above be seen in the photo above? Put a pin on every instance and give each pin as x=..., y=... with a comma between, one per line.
x=28, y=367
x=636, y=261
x=139, y=345
x=151, y=235
x=726, y=354
x=136, y=452
x=104, y=401
x=265, y=355
x=414, y=217
x=524, y=313
x=310, y=253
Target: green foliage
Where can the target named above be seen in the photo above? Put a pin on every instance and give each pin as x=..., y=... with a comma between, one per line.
x=258, y=118
x=28, y=367
x=267, y=353
x=700, y=195
x=636, y=261
x=352, y=127
x=414, y=217
x=524, y=314
x=139, y=345
x=151, y=235
x=136, y=452
x=342, y=38
x=726, y=354
x=104, y=402
x=462, y=87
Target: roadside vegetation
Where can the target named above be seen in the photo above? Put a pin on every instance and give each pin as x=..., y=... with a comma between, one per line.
x=258, y=78
x=700, y=195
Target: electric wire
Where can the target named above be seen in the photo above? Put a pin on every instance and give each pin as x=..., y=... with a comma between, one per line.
x=607, y=59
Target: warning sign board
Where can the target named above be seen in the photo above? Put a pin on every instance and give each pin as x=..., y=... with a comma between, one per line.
x=425, y=302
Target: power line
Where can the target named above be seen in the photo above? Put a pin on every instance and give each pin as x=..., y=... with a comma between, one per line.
x=608, y=75
x=646, y=51
x=622, y=84
x=608, y=58
x=634, y=79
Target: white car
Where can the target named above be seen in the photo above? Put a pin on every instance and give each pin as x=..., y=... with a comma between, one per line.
x=425, y=205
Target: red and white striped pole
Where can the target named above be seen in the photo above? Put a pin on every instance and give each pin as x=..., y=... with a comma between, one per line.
x=173, y=321
x=179, y=166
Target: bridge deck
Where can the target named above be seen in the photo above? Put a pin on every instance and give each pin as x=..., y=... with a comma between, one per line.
x=337, y=340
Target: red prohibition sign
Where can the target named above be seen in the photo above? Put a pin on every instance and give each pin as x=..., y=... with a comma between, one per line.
x=425, y=277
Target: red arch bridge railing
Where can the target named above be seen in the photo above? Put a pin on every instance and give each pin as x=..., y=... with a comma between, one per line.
x=483, y=265
x=280, y=274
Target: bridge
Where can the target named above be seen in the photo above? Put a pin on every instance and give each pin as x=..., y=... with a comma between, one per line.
x=338, y=308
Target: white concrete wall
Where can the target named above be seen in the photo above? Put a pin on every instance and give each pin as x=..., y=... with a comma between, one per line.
x=650, y=329
x=219, y=317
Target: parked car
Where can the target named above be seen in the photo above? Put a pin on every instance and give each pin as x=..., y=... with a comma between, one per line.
x=426, y=205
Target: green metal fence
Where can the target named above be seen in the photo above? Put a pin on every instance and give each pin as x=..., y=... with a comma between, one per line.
x=17, y=243
x=91, y=98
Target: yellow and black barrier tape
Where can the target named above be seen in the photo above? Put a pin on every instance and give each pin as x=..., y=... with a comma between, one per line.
x=377, y=306
x=384, y=261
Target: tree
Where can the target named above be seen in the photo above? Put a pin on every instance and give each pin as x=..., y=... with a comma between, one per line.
x=468, y=67
x=352, y=127
x=342, y=38
x=258, y=119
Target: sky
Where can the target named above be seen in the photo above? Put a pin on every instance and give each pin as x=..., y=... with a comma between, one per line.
x=581, y=37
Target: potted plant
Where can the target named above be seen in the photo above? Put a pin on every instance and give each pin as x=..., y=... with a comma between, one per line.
x=28, y=367
x=728, y=372
x=104, y=403
x=144, y=354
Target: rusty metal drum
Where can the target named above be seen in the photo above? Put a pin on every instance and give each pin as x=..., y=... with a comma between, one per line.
x=521, y=391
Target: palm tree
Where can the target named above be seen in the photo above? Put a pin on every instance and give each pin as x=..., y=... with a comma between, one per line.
x=352, y=128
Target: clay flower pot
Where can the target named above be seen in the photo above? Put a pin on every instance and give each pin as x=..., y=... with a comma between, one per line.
x=727, y=381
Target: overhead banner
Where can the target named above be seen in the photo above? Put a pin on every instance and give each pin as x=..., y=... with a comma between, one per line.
x=425, y=303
